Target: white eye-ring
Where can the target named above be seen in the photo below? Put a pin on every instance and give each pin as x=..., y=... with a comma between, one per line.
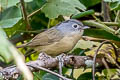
x=75, y=26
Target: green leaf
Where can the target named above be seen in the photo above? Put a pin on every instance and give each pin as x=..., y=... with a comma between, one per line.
x=84, y=44
x=39, y=21
x=10, y=17
x=109, y=73
x=99, y=33
x=54, y=8
x=10, y=3
x=82, y=14
x=12, y=12
x=9, y=22
x=85, y=76
x=19, y=26
x=40, y=2
x=90, y=3
x=37, y=76
x=49, y=76
x=115, y=6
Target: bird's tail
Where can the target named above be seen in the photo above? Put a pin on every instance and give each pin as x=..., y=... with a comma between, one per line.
x=21, y=46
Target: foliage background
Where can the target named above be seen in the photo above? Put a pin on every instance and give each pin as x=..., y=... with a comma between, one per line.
x=43, y=14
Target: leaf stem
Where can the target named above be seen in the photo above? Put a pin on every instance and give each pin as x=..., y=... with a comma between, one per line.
x=111, y=24
x=34, y=12
x=25, y=14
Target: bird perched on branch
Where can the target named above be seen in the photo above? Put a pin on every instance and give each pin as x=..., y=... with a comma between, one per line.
x=58, y=39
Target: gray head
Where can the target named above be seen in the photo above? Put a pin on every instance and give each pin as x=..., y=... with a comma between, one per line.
x=71, y=26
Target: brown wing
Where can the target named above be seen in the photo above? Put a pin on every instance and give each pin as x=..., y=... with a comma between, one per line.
x=46, y=38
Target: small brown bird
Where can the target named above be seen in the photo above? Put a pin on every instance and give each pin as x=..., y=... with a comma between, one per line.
x=58, y=39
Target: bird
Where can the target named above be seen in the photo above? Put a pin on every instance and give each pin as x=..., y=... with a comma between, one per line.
x=58, y=39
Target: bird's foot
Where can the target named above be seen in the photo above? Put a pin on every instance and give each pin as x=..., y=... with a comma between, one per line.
x=61, y=63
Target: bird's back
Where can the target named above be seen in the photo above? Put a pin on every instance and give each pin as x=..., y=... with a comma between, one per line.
x=64, y=45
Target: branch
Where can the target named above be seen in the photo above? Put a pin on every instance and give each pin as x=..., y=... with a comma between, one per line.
x=105, y=11
x=45, y=61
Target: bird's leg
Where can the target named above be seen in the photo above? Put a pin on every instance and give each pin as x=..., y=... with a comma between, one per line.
x=29, y=52
x=61, y=63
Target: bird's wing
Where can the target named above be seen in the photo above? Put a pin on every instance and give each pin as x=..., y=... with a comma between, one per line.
x=45, y=38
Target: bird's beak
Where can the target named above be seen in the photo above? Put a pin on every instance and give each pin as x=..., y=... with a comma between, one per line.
x=86, y=27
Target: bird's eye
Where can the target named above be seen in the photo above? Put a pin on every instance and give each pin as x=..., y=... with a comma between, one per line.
x=75, y=25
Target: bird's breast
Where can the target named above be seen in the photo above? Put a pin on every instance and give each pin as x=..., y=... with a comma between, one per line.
x=56, y=48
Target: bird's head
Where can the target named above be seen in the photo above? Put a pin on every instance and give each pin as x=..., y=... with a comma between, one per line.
x=71, y=27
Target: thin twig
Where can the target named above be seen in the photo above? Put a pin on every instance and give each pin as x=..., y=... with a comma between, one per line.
x=111, y=23
x=33, y=13
x=105, y=63
x=94, y=59
x=29, y=52
x=47, y=70
x=117, y=16
x=25, y=14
